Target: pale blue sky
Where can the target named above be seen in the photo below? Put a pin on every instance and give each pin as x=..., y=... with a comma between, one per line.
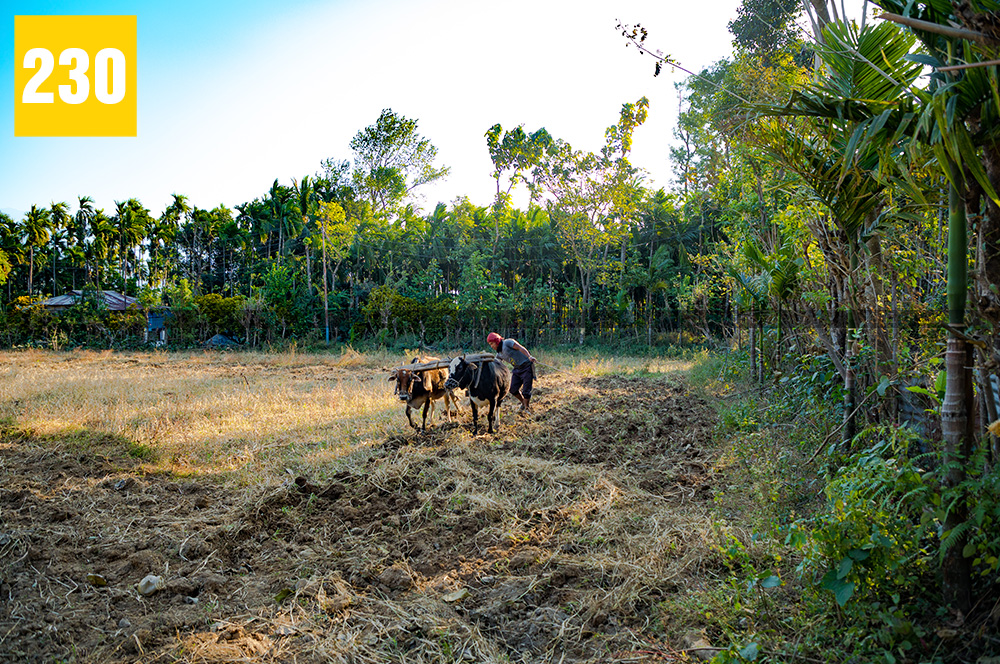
x=235, y=94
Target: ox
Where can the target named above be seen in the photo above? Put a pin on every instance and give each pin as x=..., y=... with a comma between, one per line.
x=487, y=382
x=420, y=389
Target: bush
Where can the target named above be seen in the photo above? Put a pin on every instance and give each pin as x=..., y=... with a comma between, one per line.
x=221, y=315
x=870, y=549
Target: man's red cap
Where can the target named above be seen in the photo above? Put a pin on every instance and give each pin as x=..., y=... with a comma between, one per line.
x=493, y=338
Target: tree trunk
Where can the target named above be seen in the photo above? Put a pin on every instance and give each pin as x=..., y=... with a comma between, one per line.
x=956, y=417
x=850, y=377
x=989, y=403
x=326, y=295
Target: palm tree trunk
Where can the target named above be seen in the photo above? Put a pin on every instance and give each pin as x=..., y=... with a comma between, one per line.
x=956, y=411
x=850, y=351
x=649, y=318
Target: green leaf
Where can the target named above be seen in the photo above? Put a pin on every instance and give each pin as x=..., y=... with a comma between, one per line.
x=796, y=538
x=845, y=567
x=883, y=385
x=750, y=651
x=916, y=389
x=940, y=382
x=842, y=590
x=858, y=555
x=923, y=59
x=772, y=581
x=969, y=550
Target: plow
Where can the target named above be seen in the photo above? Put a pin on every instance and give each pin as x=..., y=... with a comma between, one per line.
x=443, y=363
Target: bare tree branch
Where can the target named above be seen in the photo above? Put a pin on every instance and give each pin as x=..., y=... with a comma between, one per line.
x=947, y=31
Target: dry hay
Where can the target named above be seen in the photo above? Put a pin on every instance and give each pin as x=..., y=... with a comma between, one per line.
x=551, y=542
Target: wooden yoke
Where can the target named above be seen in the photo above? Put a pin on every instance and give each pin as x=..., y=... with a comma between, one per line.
x=440, y=364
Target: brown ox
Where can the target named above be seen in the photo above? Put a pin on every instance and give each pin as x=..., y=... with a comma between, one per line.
x=422, y=388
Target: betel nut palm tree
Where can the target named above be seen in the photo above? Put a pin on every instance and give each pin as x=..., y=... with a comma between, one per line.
x=839, y=153
x=37, y=225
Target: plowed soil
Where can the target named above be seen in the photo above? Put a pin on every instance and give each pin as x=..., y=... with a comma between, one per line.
x=552, y=541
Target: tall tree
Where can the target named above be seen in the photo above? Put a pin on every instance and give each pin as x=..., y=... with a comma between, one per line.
x=514, y=154
x=7, y=240
x=391, y=160
x=337, y=233
x=80, y=232
x=60, y=220
x=589, y=195
x=305, y=196
x=958, y=121
x=767, y=28
x=37, y=228
x=103, y=230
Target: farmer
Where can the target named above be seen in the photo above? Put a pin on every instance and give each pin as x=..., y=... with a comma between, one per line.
x=523, y=362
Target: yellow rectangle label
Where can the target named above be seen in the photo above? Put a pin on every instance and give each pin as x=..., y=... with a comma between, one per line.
x=75, y=76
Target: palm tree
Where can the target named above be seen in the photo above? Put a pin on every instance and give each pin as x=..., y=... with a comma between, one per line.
x=200, y=232
x=37, y=230
x=852, y=188
x=80, y=233
x=280, y=207
x=141, y=223
x=122, y=221
x=771, y=279
x=305, y=200
x=103, y=230
x=9, y=247
x=955, y=116
x=60, y=217
x=958, y=120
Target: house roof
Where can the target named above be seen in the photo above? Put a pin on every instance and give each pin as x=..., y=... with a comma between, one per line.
x=113, y=300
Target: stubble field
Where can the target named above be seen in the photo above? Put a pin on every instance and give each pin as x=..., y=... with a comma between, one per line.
x=291, y=515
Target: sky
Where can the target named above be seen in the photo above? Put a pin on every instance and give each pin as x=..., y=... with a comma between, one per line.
x=233, y=94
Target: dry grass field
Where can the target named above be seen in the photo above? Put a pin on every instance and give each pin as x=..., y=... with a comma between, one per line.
x=291, y=515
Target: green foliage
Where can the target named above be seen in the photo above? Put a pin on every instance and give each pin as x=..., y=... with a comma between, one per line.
x=289, y=303
x=391, y=159
x=515, y=153
x=5, y=266
x=870, y=545
x=811, y=383
x=122, y=326
x=766, y=27
x=184, y=314
x=221, y=315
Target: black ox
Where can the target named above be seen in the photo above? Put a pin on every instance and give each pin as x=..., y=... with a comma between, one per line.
x=487, y=382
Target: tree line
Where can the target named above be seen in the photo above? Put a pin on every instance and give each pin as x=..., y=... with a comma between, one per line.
x=346, y=253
